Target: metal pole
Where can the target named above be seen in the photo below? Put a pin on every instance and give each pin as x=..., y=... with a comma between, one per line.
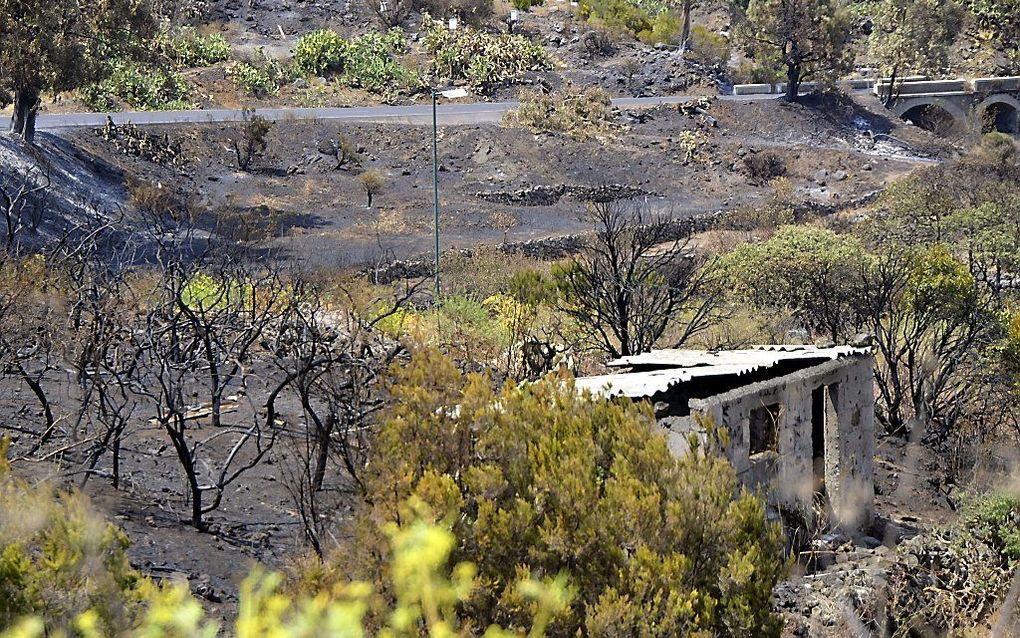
x=435, y=184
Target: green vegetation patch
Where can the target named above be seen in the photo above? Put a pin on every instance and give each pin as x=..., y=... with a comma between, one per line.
x=645, y=21
x=538, y=480
x=261, y=76
x=139, y=85
x=367, y=61
x=187, y=48
x=482, y=59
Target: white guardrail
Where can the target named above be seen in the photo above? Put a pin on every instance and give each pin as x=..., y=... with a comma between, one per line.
x=910, y=85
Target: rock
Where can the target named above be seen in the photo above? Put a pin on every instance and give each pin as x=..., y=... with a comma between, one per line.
x=869, y=542
x=300, y=83
x=834, y=539
x=821, y=177
x=863, y=340
x=839, y=176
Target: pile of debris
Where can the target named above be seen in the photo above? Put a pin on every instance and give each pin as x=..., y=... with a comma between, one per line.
x=133, y=141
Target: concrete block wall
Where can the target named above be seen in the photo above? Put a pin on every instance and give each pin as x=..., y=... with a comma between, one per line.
x=849, y=431
x=994, y=85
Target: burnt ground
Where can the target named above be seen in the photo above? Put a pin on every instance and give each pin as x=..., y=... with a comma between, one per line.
x=495, y=179
x=829, y=155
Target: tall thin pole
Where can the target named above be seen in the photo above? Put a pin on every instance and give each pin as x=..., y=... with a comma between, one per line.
x=435, y=184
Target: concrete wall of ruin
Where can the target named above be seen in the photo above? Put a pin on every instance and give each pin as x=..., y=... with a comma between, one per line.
x=786, y=471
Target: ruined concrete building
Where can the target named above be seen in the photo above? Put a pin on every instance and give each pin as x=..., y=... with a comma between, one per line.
x=800, y=419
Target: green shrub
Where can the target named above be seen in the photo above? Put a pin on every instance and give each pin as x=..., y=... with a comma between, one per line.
x=538, y=480
x=261, y=77
x=140, y=86
x=650, y=22
x=188, y=48
x=64, y=571
x=811, y=272
x=483, y=59
x=664, y=28
x=616, y=16
x=370, y=63
x=321, y=52
x=524, y=5
x=708, y=46
x=366, y=61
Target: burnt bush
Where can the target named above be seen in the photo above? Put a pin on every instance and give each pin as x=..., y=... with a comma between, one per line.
x=764, y=166
x=598, y=43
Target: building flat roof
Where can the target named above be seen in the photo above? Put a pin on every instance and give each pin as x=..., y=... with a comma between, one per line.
x=672, y=367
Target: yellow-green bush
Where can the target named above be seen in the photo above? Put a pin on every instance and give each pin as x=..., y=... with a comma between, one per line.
x=650, y=24
x=483, y=59
x=366, y=61
x=63, y=571
x=710, y=47
x=58, y=560
x=261, y=76
x=538, y=481
x=140, y=85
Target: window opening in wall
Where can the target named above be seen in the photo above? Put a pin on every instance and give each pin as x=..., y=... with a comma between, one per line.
x=818, y=438
x=764, y=429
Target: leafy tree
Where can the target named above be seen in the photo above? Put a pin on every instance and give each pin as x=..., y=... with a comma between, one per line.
x=812, y=272
x=806, y=38
x=981, y=222
x=914, y=35
x=538, y=480
x=59, y=45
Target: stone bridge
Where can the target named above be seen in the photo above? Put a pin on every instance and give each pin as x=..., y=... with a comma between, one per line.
x=986, y=104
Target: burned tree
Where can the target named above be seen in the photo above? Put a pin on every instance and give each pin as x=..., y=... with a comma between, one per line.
x=634, y=278
x=22, y=201
x=252, y=138
x=203, y=329
x=332, y=361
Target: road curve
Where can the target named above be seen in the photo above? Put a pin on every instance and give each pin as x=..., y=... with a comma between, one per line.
x=453, y=113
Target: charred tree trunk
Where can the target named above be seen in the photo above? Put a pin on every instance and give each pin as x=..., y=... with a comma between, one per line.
x=792, y=82
x=890, y=96
x=685, y=35
x=26, y=107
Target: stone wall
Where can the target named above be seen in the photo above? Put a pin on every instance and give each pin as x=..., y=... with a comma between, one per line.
x=830, y=406
x=544, y=195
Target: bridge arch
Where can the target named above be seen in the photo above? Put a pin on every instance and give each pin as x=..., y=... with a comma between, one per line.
x=931, y=113
x=1000, y=113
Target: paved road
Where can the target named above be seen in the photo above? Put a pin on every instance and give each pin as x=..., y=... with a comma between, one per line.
x=455, y=113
